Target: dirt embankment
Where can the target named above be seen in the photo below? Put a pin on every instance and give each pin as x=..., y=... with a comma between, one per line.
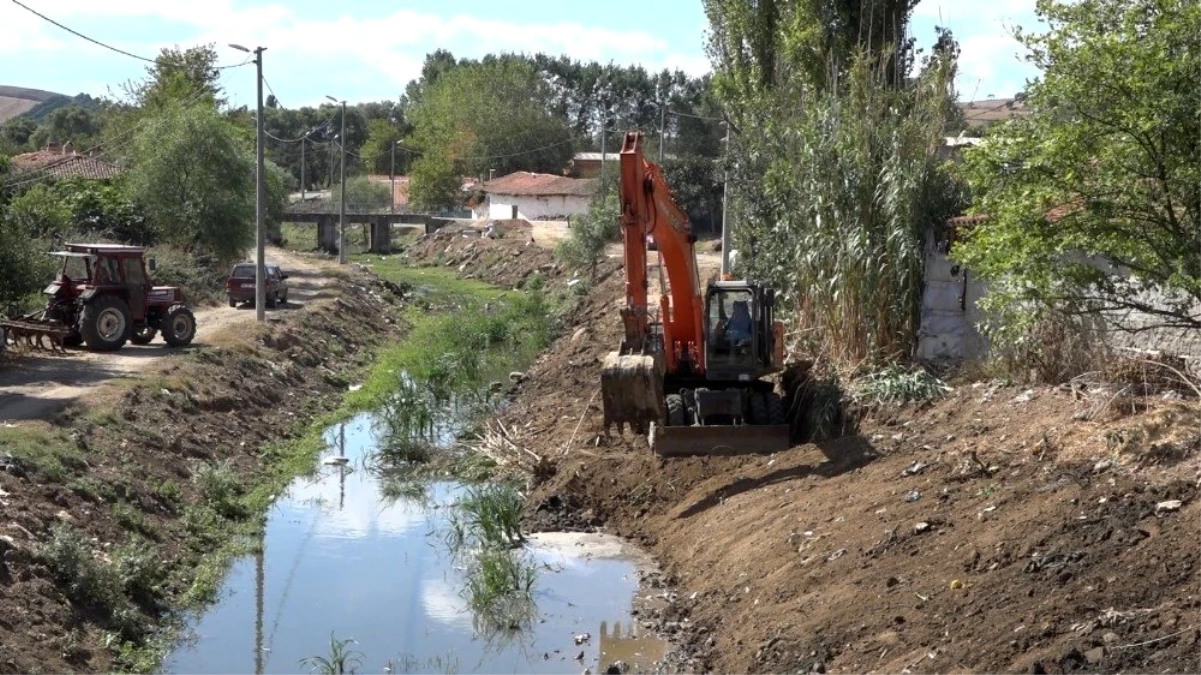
x=120, y=465
x=998, y=530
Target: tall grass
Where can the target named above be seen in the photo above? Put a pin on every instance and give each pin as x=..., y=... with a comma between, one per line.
x=836, y=207
x=500, y=591
x=488, y=516
x=340, y=660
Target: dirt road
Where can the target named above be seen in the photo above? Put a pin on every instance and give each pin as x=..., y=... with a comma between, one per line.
x=36, y=384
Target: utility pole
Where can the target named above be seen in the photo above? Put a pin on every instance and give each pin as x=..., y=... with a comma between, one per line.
x=662, y=128
x=302, y=140
x=392, y=200
x=342, y=180
x=604, y=135
x=726, y=236
x=260, y=191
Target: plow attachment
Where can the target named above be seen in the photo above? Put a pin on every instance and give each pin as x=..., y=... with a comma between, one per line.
x=742, y=439
x=632, y=391
x=34, y=333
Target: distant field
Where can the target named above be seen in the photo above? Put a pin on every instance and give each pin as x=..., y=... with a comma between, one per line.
x=11, y=107
x=18, y=100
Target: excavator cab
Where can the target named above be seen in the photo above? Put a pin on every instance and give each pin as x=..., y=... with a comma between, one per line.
x=740, y=338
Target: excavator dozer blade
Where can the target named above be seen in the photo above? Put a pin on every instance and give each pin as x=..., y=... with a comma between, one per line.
x=743, y=439
x=632, y=391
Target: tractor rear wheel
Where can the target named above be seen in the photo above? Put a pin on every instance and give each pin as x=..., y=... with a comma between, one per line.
x=675, y=410
x=178, y=326
x=143, y=335
x=105, y=323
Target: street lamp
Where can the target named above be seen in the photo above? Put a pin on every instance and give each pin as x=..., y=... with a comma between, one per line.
x=260, y=192
x=342, y=199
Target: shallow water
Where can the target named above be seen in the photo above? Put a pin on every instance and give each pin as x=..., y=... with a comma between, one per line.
x=339, y=558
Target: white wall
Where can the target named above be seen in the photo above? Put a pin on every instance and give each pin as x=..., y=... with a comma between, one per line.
x=557, y=207
x=949, y=312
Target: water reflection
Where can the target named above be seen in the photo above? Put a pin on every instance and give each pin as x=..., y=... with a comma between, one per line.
x=352, y=551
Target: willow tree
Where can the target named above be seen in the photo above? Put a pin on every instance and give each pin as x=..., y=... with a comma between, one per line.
x=835, y=172
x=1106, y=167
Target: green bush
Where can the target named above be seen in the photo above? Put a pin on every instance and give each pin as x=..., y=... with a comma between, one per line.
x=589, y=234
x=362, y=193
x=84, y=578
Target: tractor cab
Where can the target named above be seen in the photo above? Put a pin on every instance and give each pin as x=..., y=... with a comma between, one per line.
x=743, y=342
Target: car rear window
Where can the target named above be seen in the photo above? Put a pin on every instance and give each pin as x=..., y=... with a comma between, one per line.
x=243, y=272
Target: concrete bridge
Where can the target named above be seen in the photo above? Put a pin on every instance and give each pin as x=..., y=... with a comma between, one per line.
x=379, y=223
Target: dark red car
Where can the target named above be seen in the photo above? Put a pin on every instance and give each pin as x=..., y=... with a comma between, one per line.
x=240, y=285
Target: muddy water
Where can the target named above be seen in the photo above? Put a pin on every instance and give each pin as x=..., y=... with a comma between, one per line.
x=340, y=558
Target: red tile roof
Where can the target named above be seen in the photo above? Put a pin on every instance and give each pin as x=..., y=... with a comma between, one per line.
x=51, y=164
x=524, y=183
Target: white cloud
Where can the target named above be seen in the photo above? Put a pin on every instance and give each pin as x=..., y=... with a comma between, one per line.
x=990, y=62
x=389, y=48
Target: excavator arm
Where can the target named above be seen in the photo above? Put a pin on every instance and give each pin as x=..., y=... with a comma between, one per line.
x=632, y=378
x=648, y=209
x=717, y=402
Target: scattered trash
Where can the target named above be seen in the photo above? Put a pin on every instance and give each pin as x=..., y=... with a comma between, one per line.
x=582, y=638
x=836, y=555
x=915, y=468
x=1024, y=397
x=354, y=387
x=913, y=496
x=956, y=584
x=1169, y=505
x=921, y=527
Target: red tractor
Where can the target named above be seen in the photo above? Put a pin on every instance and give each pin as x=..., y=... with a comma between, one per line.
x=103, y=297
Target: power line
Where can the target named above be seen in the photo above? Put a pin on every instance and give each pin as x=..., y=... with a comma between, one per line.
x=78, y=34
x=272, y=91
x=306, y=135
x=98, y=42
x=698, y=117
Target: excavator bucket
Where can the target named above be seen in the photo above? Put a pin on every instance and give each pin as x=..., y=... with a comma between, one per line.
x=741, y=439
x=632, y=391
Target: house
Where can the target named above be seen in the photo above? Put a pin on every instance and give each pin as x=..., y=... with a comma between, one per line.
x=588, y=164
x=535, y=196
x=983, y=113
x=60, y=162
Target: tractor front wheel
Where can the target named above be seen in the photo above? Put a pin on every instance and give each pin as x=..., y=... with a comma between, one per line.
x=105, y=323
x=178, y=326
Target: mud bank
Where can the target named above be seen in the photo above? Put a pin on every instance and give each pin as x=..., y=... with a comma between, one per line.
x=129, y=503
x=997, y=530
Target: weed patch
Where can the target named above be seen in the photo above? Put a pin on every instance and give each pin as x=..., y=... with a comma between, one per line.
x=48, y=452
x=897, y=385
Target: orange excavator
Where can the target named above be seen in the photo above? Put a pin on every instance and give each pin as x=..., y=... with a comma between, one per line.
x=692, y=376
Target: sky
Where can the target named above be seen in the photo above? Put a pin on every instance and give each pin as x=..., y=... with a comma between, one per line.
x=367, y=50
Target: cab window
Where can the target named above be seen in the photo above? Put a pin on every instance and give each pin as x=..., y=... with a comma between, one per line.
x=133, y=272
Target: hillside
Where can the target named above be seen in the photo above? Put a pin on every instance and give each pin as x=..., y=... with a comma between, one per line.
x=16, y=101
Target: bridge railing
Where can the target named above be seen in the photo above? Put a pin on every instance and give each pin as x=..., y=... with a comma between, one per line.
x=367, y=208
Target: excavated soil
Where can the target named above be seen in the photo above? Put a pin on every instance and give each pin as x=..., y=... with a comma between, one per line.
x=218, y=403
x=996, y=530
